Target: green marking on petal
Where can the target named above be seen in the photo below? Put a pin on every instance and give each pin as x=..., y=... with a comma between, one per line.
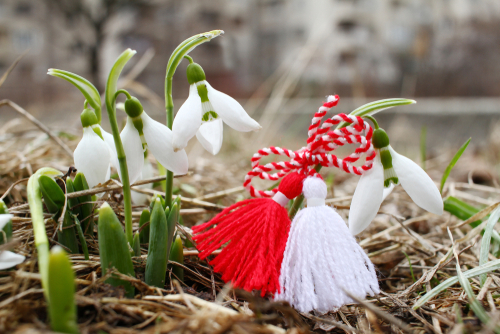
x=389, y=172
x=209, y=116
x=138, y=124
x=202, y=92
x=97, y=129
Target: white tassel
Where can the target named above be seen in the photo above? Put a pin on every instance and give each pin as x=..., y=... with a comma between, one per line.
x=322, y=258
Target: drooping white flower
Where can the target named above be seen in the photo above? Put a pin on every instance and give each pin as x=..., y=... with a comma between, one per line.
x=142, y=132
x=147, y=172
x=8, y=259
x=203, y=113
x=390, y=167
x=93, y=154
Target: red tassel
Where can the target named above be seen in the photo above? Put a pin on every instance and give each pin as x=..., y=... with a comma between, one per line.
x=256, y=231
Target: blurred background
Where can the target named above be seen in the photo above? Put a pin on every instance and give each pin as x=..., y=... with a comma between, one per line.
x=279, y=58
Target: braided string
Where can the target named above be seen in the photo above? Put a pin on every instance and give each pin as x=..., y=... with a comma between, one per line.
x=321, y=140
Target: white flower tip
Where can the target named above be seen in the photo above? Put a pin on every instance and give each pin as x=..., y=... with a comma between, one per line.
x=105, y=205
x=354, y=228
x=438, y=210
x=56, y=249
x=258, y=129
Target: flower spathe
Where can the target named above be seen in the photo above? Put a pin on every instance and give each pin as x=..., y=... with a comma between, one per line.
x=203, y=113
x=142, y=132
x=8, y=259
x=93, y=154
x=391, y=167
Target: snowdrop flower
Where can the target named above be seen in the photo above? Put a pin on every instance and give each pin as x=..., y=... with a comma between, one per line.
x=390, y=167
x=8, y=259
x=203, y=113
x=94, y=153
x=142, y=132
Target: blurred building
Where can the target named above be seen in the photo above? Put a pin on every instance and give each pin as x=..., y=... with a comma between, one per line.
x=353, y=47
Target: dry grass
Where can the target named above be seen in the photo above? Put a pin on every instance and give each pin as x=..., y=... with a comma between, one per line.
x=408, y=246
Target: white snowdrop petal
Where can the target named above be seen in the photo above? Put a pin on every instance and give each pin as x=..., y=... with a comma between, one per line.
x=134, y=152
x=108, y=139
x=147, y=173
x=417, y=183
x=231, y=111
x=92, y=157
x=367, y=198
x=9, y=259
x=4, y=219
x=159, y=140
x=188, y=120
x=210, y=135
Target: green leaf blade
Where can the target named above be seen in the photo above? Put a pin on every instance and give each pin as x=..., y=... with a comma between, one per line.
x=452, y=164
x=86, y=87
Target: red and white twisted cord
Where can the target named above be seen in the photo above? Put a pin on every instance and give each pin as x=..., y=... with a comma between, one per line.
x=321, y=141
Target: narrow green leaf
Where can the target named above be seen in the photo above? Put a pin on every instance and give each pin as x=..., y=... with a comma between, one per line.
x=172, y=220
x=485, y=242
x=113, y=249
x=452, y=164
x=81, y=236
x=156, y=264
x=73, y=202
x=114, y=74
x=86, y=87
x=474, y=303
x=177, y=255
x=411, y=268
x=67, y=237
x=52, y=194
x=461, y=209
x=87, y=212
x=61, y=282
x=40, y=234
x=137, y=245
x=144, y=234
x=483, y=269
x=375, y=107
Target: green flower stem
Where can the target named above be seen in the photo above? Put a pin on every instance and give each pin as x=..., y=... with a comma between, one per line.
x=374, y=121
x=111, y=93
x=182, y=50
x=36, y=210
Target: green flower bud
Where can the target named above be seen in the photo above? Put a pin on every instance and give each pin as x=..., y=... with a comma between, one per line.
x=156, y=264
x=62, y=306
x=144, y=235
x=177, y=255
x=133, y=107
x=195, y=73
x=88, y=118
x=86, y=210
x=52, y=194
x=114, y=249
x=380, y=139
